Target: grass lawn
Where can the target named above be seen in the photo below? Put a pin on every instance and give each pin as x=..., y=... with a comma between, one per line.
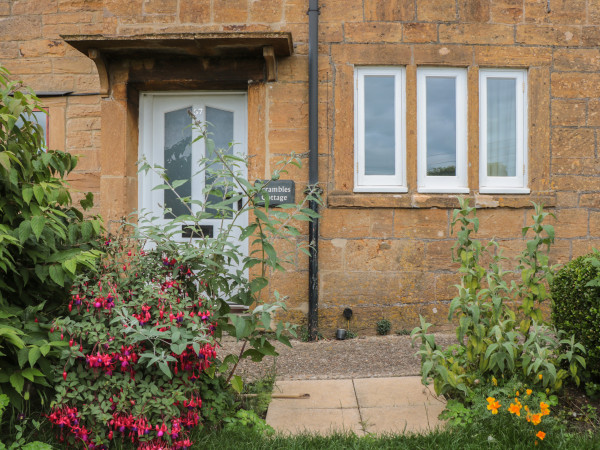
x=474, y=437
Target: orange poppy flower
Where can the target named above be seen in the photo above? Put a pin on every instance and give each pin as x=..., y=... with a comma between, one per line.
x=541, y=435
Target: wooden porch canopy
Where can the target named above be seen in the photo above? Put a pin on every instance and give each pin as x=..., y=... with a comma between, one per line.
x=230, y=57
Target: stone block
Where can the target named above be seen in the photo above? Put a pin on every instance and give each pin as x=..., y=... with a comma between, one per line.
x=438, y=256
x=476, y=33
x=562, y=35
x=42, y=47
x=22, y=28
x=266, y=11
x=28, y=66
x=230, y=11
x=375, y=32
x=80, y=140
x=595, y=220
x=288, y=115
x=569, y=113
x=384, y=255
x=500, y=223
x=31, y=7
x=420, y=33
x=575, y=166
x=438, y=11
x=120, y=8
x=356, y=223
x=575, y=85
x=288, y=139
x=332, y=254
x=507, y=11
x=573, y=142
x=382, y=54
x=421, y=223
x=389, y=10
x=512, y=56
x=593, y=119
x=455, y=55
x=295, y=11
x=80, y=5
x=83, y=124
x=195, y=11
x=474, y=10
x=581, y=247
x=89, y=160
x=577, y=60
x=340, y=11
x=570, y=223
x=575, y=183
x=160, y=6
x=73, y=65
x=588, y=200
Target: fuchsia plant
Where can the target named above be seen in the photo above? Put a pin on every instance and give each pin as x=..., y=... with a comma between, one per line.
x=140, y=334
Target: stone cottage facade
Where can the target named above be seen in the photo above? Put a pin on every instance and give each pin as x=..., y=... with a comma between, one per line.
x=419, y=101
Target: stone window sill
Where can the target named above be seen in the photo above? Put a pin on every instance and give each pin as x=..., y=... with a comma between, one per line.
x=342, y=199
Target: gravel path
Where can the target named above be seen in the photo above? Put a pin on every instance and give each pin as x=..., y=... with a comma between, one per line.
x=363, y=357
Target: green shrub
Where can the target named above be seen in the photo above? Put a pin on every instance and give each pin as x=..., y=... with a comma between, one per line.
x=493, y=339
x=576, y=307
x=383, y=327
x=143, y=333
x=44, y=241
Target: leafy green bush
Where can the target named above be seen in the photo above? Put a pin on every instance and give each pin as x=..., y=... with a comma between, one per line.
x=494, y=340
x=576, y=306
x=143, y=333
x=383, y=327
x=44, y=240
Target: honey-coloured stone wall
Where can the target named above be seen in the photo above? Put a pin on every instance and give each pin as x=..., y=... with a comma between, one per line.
x=383, y=255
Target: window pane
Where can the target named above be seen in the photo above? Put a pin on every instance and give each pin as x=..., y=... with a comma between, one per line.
x=220, y=129
x=178, y=158
x=380, y=133
x=441, y=126
x=501, y=127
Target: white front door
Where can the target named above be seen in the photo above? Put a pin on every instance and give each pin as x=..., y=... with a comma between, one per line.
x=167, y=140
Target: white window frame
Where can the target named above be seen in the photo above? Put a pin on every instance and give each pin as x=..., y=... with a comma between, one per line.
x=380, y=183
x=504, y=185
x=442, y=184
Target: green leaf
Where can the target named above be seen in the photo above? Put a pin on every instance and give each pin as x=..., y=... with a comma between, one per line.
x=27, y=194
x=37, y=226
x=34, y=355
x=241, y=326
x=5, y=160
x=237, y=384
x=178, y=183
x=24, y=230
x=22, y=356
x=57, y=275
x=38, y=191
x=86, y=230
x=164, y=367
x=17, y=381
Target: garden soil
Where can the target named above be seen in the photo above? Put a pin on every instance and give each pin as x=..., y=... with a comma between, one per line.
x=362, y=357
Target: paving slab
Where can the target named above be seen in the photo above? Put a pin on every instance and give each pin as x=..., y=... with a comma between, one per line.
x=365, y=405
x=402, y=419
x=313, y=420
x=395, y=391
x=324, y=394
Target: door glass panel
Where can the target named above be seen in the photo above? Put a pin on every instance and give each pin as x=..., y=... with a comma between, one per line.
x=178, y=159
x=501, y=127
x=220, y=130
x=380, y=123
x=441, y=126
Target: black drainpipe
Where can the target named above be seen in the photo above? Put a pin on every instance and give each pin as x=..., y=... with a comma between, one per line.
x=313, y=166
